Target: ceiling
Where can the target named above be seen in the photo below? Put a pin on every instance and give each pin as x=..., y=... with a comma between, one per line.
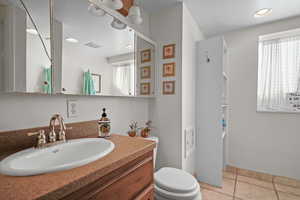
x=219, y=16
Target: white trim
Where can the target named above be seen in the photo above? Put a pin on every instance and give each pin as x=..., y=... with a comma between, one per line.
x=283, y=34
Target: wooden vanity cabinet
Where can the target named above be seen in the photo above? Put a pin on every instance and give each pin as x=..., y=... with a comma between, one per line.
x=133, y=181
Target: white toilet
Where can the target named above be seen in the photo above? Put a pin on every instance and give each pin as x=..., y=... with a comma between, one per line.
x=174, y=184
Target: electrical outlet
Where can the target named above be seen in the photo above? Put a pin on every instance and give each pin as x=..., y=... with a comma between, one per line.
x=72, y=106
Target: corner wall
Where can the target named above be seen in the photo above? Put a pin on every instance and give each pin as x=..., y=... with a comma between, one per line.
x=172, y=114
x=165, y=110
x=264, y=142
x=191, y=34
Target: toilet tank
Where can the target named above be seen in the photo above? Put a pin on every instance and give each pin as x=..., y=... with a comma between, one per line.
x=156, y=140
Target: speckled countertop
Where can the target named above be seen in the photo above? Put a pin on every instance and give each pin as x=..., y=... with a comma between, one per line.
x=59, y=184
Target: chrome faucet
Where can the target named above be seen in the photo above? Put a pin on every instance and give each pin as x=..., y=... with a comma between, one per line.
x=41, y=140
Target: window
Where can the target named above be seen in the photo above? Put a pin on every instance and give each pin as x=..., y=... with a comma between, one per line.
x=124, y=79
x=279, y=72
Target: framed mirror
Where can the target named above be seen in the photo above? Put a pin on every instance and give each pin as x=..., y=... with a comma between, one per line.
x=95, y=53
x=25, y=55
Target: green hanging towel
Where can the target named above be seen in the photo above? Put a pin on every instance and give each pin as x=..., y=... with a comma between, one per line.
x=47, y=88
x=88, y=84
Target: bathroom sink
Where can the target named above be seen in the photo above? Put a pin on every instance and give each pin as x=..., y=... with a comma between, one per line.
x=73, y=153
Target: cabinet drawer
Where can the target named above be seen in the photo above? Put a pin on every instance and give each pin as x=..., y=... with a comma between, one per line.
x=130, y=186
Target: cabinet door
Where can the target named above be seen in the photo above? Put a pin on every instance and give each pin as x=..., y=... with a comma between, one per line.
x=130, y=186
x=131, y=181
x=147, y=194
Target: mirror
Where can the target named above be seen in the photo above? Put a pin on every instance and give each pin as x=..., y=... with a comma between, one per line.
x=25, y=62
x=96, y=54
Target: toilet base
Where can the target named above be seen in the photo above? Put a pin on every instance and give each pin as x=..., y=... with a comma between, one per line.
x=158, y=197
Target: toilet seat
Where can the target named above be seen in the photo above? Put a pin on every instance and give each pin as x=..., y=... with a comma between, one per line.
x=175, y=184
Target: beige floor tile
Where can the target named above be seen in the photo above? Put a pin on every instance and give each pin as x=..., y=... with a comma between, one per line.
x=253, y=174
x=287, y=181
x=255, y=181
x=212, y=195
x=230, y=169
x=288, y=189
x=247, y=191
x=228, y=186
x=285, y=196
x=229, y=175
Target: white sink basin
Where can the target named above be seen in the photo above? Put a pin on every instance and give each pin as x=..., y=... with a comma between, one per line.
x=73, y=153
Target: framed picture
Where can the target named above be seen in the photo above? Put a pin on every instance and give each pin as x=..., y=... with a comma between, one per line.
x=146, y=56
x=145, y=72
x=169, y=69
x=169, y=51
x=97, y=82
x=145, y=89
x=168, y=87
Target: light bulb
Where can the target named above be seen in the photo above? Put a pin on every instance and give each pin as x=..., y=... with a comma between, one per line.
x=135, y=15
x=134, y=10
x=95, y=10
x=117, y=24
x=114, y=4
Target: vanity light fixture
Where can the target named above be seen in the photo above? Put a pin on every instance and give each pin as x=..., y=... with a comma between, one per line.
x=117, y=24
x=263, y=12
x=95, y=10
x=71, y=40
x=32, y=31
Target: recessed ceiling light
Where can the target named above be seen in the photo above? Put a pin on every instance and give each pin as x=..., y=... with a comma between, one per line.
x=72, y=40
x=32, y=31
x=263, y=12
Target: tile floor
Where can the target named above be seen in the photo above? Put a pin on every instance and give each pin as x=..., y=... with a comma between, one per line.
x=237, y=186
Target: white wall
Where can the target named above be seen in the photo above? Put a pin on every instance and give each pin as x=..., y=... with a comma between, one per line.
x=165, y=110
x=265, y=142
x=27, y=111
x=191, y=34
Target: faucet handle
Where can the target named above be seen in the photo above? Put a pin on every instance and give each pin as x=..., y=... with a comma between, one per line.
x=41, y=139
x=62, y=134
x=36, y=133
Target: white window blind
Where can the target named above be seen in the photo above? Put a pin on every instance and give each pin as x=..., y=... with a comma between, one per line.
x=279, y=73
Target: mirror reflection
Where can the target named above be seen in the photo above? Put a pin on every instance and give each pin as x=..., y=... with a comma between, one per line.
x=99, y=55
x=25, y=62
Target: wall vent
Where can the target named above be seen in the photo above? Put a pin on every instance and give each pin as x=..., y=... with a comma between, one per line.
x=92, y=45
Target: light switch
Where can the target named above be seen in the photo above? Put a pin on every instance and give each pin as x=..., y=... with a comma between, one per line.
x=72, y=107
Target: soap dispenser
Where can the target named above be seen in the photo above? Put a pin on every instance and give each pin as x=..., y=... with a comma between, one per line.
x=104, y=125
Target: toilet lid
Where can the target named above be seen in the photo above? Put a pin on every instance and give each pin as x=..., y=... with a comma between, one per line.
x=175, y=180
x=177, y=196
